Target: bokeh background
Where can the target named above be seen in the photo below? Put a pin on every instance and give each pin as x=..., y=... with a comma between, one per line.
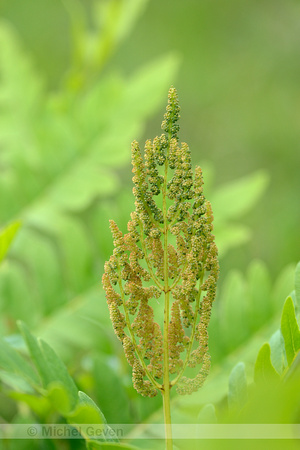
x=79, y=80
x=238, y=85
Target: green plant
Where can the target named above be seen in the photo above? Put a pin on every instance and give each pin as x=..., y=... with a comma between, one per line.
x=145, y=265
x=61, y=153
x=276, y=373
x=6, y=237
x=266, y=388
x=47, y=388
x=63, y=162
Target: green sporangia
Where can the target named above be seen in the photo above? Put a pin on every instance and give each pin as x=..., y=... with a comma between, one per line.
x=168, y=255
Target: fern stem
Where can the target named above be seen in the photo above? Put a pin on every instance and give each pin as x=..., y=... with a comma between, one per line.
x=166, y=375
x=167, y=417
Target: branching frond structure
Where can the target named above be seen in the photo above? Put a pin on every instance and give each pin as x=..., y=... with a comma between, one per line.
x=169, y=258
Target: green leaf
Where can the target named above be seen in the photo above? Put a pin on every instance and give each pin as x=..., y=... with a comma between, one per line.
x=40, y=405
x=297, y=284
x=232, y=310
x=56, y=380
x=87, y=412
x=283, y=286
x=264, y=372
x=293, y=372
x=258, y=294
x=18, y=79
x=207, y=414
x=130, y=11
x=238, y=197
x=37, y=355
x=59, y=397
x=290, y=330
x=16, y=382
x=278, y=356
x=103, y=374
x=147, y=87
x=62, y=383
x=6, y=236
x=12, y=362
x=237, y=393
x=80, y=325
x=230, y=235
x=78, y=196
x=97, y=33
x=15, y=286
x=110, y=446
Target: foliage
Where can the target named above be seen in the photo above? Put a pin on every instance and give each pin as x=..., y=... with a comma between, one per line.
x=62, y=155
x=275, y=375
x=49, y=388
x=60, y=393
x=66, y=150
x=6, y=236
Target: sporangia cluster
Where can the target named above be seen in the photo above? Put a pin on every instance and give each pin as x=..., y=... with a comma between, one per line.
x=168, y=255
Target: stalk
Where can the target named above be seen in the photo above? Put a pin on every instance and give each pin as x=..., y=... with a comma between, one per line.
x=167, y=416
x=158, y=354
x=166, y=375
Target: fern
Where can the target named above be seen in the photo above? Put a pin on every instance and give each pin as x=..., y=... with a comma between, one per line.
x=66, y=153
x=61, y=161
x=48, y=388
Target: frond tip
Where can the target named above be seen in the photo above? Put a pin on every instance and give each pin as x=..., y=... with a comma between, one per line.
x=169, y=251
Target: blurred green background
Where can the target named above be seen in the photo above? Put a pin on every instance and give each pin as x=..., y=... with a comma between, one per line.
x=79, y=80
x=238, y=87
